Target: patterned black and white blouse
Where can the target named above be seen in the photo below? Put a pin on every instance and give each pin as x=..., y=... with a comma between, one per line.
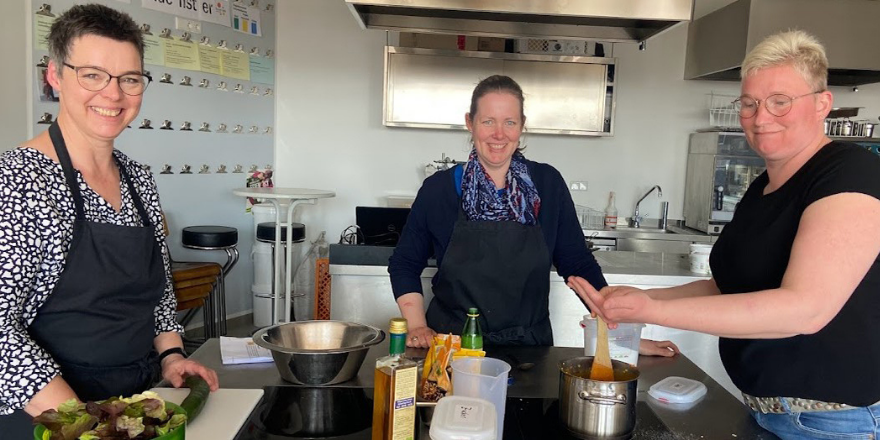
x=36, y=226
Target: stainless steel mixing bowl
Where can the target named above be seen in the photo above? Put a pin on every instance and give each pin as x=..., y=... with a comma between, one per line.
x=318, y=352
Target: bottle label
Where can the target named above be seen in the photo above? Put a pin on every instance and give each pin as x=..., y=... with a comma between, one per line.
x=404, y=407
x=611, y=220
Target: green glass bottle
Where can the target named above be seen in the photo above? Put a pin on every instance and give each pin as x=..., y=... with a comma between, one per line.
x=472, y=335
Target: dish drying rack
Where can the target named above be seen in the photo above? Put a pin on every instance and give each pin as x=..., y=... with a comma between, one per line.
x=722, y=113
x=590, y=218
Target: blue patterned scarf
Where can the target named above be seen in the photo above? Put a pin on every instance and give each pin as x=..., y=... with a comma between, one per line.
x=481, y=201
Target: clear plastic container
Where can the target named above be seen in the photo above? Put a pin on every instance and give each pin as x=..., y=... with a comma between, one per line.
x=463, y=418
x=484, y=378
x=677, y=392
x=623, y=342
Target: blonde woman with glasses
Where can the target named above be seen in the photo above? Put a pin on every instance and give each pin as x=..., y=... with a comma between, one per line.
x=795, y=293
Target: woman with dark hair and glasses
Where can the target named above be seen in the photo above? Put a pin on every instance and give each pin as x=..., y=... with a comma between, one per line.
x=87, y=307
x=496, y=225
x=795, y=293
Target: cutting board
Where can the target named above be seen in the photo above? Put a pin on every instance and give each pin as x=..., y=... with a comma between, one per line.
x=223, y=415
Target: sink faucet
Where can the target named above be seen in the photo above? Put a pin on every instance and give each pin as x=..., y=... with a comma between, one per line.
x=637, y=219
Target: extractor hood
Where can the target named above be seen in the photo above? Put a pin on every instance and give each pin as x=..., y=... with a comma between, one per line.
x=718, y=42
x=602, y=20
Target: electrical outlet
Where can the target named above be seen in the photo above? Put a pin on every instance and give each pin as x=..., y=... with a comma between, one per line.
x=191, y=26
x=578, y=185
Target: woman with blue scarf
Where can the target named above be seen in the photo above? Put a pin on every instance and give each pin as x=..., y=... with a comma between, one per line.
x=495, y=225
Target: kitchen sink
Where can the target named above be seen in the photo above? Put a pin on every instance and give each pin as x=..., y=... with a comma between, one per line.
x=622, y=234
x=646, y=229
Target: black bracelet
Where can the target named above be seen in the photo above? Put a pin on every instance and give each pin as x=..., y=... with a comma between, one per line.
x=170, y=351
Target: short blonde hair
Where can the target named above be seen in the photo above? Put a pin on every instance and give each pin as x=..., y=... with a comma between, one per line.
x=797, y=48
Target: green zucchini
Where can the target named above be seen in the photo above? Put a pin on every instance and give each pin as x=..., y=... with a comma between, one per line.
x=195, y=400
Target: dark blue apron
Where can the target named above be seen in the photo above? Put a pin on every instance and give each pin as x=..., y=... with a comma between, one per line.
x=98, y=323
x=502, y=268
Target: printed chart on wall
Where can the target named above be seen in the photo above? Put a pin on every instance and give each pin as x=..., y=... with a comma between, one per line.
x=206, y=120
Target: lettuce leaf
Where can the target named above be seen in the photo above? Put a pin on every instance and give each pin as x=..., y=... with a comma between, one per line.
x=83, y=423
x=71, y=406
x=142, y=416
x=134, y=426
x=173, y=423
x=155, y=408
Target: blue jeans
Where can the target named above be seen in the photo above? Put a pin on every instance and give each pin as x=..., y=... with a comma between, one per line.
x=851, y=424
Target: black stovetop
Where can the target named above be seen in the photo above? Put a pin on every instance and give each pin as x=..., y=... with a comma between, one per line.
x=290, y=412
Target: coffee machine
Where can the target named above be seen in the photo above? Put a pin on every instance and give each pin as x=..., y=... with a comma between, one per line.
x=720, y=167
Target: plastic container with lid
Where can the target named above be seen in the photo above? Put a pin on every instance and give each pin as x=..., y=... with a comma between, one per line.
x=623, y=342
x=463, y=418
x=678, y=392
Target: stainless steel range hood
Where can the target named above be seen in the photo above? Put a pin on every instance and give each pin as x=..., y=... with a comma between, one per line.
x=603, y=20
x=718, y=42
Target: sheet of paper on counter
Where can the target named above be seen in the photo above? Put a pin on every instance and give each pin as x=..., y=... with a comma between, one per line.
x=242, y=351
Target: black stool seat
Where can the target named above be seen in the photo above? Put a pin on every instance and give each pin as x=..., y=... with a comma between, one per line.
x=209, y=236
x=266, y=232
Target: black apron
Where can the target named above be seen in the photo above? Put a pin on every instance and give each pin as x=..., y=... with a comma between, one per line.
x=98, y=323
x=503, y=269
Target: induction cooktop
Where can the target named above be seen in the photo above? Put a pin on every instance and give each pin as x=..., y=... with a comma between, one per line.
x=342, y=413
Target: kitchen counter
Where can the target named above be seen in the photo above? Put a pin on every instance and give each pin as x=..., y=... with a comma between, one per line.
x=717, y=416
x=362, y=288
x=619, y=267
x=361, y=293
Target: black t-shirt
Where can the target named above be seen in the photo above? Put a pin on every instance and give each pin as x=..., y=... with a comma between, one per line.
x=841, y=362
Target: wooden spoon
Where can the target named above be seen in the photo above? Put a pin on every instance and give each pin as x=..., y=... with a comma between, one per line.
x=602, y=369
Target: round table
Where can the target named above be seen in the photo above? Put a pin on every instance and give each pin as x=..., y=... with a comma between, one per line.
x=292, y=197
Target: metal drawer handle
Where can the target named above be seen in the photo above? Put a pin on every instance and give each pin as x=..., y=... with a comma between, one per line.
x=602, y=400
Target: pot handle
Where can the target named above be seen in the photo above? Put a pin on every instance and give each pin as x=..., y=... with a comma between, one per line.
x=603, y=400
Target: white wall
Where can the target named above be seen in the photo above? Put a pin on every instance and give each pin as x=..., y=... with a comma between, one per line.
x=330, y=133
x=13, y=78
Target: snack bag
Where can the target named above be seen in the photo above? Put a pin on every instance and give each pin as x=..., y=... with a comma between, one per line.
x=436, y=382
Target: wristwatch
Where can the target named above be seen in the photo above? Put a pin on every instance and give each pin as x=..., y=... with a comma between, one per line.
x=170, y=351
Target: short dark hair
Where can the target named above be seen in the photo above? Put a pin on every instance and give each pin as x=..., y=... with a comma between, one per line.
x=497, y=83
x=92, y=19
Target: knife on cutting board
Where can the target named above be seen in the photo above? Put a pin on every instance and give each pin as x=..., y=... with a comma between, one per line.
x=224, y=413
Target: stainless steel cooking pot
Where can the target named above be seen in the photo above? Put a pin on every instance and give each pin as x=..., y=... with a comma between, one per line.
x=592, y=409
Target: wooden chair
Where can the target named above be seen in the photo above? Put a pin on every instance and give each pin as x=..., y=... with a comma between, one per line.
x=195, y=286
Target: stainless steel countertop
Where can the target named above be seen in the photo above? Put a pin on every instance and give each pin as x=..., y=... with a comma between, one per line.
x=717, y=415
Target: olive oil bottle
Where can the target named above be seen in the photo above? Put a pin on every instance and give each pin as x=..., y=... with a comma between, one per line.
x=394, y=393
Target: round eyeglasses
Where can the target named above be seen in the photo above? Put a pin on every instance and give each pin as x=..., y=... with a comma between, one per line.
x=777, y=104
x=94, y=79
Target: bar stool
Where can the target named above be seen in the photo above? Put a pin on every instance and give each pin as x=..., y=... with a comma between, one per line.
x=215, y=238
x=266, y=234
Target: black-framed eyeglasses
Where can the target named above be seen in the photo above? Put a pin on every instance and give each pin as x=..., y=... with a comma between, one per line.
x=95, y=79
x=777, y=104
